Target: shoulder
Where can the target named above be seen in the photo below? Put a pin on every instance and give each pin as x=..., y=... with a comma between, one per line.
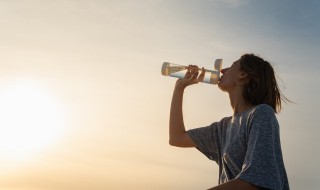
x=263, y=115
x=263, y=110
x=220, y=125
x=225, y=120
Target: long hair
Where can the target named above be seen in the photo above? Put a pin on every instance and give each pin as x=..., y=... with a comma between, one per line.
x=262, y=86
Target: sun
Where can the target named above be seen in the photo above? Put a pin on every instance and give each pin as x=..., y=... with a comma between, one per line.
x=30, y=119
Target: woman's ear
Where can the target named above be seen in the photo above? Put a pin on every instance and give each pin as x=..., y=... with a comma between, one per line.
x=243, y=74
x=242, y=80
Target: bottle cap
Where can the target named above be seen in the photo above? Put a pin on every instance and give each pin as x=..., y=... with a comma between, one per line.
x=218, y=65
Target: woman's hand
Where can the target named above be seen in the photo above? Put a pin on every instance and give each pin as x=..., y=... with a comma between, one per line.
x=192, y=77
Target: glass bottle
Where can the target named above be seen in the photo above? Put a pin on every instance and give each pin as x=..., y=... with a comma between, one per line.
x=179, y=71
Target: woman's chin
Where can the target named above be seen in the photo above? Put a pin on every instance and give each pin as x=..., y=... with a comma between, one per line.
x=222, y=87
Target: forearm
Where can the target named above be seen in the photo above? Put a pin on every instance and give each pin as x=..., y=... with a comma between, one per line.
x=176, y=123
x=177, y=132
x=234, y=185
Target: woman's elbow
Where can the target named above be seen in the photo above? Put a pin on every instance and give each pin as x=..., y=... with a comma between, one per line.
x=182, y=141
x=172, y=142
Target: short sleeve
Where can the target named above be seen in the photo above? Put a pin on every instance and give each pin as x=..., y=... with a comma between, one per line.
x=206, y=140
x=263, y=161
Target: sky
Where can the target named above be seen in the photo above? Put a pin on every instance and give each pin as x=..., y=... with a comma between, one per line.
x=84, y=104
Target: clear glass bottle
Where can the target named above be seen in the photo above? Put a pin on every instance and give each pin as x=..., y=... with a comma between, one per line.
x=179, y=71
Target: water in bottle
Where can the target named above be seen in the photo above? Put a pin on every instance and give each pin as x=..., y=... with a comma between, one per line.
x=179, y=71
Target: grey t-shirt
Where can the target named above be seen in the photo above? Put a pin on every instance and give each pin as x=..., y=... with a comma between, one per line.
x=245, y=146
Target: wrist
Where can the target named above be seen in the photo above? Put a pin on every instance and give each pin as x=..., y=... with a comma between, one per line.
x=180, y=86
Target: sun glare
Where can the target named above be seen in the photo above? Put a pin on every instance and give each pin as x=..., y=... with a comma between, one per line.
x=30, y=119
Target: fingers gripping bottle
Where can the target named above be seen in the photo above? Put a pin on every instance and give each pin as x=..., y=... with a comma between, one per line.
x=179, y=71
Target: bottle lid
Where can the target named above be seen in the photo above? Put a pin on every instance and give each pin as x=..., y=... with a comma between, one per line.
x=218, y=65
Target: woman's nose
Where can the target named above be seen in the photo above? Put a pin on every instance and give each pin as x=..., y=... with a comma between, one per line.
x=224, y=70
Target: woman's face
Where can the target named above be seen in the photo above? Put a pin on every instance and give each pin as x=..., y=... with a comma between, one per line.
x=229, y=76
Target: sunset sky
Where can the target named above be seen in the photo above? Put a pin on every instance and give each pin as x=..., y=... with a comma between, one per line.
x=83, y=104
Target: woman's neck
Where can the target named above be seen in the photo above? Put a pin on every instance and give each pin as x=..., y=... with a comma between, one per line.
x=238, y=103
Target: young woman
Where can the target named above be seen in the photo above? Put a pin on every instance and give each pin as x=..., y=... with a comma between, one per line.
x=246, y=145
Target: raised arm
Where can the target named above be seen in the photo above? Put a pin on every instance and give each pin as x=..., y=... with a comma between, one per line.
x=177, y=132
